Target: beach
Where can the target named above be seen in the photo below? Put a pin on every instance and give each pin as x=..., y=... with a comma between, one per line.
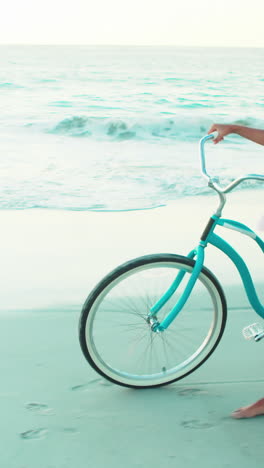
x=100, y=164
x=56, y=411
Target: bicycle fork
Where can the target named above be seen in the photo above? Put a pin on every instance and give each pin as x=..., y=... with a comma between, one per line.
x=157, y=326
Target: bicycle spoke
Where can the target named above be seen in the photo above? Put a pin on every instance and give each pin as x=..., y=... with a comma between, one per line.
x=120, y=339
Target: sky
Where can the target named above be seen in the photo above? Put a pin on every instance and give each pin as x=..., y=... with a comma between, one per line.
x=227, y=23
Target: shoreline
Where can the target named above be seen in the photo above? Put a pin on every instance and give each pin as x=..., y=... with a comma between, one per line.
x=52, y=257
x=56, y=410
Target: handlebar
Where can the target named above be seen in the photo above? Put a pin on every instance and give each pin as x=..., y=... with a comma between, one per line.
x=213, y=181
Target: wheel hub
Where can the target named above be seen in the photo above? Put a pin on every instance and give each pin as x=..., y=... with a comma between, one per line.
x=154, y=323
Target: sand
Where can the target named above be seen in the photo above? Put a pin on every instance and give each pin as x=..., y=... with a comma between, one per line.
x=56, y=411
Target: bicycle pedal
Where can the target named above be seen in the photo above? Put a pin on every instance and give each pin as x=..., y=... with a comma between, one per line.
x=254, y=331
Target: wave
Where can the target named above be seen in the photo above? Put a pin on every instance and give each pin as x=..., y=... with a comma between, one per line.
x=175, y=127
x=125, y=129
x=9, y=85
x=102, y=200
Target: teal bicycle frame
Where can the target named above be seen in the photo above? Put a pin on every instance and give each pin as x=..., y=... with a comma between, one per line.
x=209, y=237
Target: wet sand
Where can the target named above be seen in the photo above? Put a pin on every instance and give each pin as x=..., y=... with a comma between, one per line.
x=56, y=411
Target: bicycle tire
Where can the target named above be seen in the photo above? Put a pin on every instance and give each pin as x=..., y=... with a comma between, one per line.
x=108, y=338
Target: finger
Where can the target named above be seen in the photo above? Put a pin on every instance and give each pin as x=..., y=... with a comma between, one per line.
x=217, y=139
x=212, y=129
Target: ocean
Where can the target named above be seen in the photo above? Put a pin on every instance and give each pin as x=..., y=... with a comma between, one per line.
x=117, y=128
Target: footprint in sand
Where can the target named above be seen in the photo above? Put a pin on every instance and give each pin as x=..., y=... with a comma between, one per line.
x=40, y=408
x=196, y=424
x=34, y=434
x=70, y=430
x=88, y=385
x=191, y=392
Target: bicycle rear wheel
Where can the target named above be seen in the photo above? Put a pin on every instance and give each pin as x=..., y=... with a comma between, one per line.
x=117, y=339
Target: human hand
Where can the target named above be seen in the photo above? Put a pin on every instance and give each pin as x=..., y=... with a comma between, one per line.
x=222, y=131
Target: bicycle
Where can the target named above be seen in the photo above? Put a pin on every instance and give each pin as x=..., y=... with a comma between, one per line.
x=132, y=329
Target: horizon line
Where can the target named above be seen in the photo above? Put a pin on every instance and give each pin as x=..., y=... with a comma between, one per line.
x=133, y=45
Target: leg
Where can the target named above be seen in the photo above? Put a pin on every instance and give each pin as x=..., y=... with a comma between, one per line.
x=256, y=409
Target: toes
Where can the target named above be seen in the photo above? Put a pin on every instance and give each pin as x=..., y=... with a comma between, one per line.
x=239, y=414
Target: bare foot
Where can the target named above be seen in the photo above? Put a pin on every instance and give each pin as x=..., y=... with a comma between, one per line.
x=256, y=409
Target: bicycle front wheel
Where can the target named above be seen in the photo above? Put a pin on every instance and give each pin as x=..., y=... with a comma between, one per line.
x=116, y=337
